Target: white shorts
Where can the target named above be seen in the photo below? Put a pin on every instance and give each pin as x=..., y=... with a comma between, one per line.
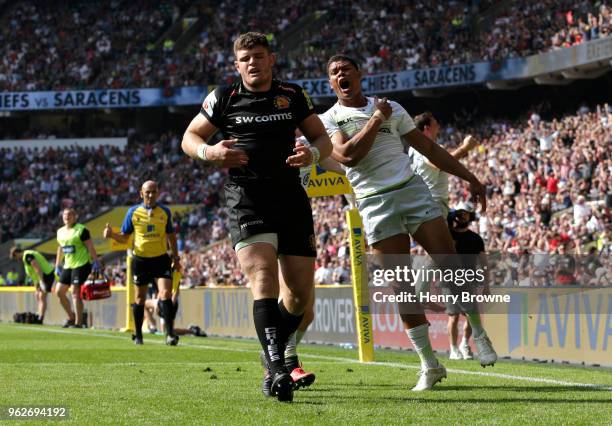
x=399, y=211
x=444, y=210
x=266, y=237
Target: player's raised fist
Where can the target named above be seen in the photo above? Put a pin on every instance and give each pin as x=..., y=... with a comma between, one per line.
x=383, y=106
x=470, y=142
x=108, y=231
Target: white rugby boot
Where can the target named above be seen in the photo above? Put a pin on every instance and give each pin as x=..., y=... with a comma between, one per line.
x=454, y=353
x=466, y=351
x=429, y=377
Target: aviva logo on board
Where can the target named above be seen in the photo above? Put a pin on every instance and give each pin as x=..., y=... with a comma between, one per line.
x=323, y=183
x=229, y=311
x=567, y=321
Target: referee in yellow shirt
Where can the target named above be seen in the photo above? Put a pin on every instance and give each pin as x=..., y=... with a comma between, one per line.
x=151, y=224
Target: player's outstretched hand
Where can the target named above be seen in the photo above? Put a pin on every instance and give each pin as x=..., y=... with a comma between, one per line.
x=108, y=231
x=383, y=106
x=302, y=157
x=223, y=155
x=479, y=194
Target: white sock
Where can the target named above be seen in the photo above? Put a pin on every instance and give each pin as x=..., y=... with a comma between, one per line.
x=464, y=341
x=454, y=348
x=291, y=348
x=298, y=336
x=294, y=340
x=419, y=336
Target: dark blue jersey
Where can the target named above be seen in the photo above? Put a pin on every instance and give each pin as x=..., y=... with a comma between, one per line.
x=264, y=124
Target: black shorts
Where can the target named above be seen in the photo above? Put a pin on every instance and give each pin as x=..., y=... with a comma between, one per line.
x=146, y=270
x=459, y=307
x=257, y=208
x=47, y=282
x=76, y=276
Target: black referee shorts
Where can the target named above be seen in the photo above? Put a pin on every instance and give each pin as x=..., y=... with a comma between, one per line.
x=75, y=276
x=47, y=282
x=256, y=208
x=146, y=270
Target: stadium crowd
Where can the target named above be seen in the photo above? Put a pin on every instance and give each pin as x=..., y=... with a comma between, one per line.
x=546, y=181
x=547, y=184
x=108, y=50
x=427, y=34
x=81, y=44
x=37, y=184
x=535, y=172
x=527, y=27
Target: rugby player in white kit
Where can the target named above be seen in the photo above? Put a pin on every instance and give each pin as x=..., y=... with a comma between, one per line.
x=369, y=137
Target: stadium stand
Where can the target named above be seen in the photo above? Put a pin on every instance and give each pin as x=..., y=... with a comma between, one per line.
x=36, y=184
x=527, y=28
x=428, y=34
x=81, y=44
x=106, y=50
x=546, y=181
x=95, y=96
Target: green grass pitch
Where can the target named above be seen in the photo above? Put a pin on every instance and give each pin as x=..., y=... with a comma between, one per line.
x=104, y=379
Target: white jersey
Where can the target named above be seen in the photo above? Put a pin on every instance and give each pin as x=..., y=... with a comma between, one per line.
x=386, y=164
x=435, y=179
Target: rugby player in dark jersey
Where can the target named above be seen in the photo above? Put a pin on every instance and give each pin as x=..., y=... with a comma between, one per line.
x=471, y=250
x=270, y=217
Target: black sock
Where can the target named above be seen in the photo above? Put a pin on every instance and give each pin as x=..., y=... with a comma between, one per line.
x=289, y=322
x=267, y=320
x=138, y=318
x=167, y=312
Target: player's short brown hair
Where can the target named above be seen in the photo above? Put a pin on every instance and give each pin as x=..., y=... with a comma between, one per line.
x=423, y=120
x=250, y=40
x=15, y=251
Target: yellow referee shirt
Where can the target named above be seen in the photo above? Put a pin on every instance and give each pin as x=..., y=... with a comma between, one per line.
x=150, y=226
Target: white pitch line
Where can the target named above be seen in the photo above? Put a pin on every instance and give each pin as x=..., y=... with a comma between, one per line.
x=131, y=364
x=341, y=359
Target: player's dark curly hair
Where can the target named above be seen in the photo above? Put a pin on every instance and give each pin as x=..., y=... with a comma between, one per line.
x=341, y=57
x=250, y=40
x=423, y=120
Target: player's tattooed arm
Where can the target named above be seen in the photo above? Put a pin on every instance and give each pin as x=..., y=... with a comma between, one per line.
x=350, y=152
